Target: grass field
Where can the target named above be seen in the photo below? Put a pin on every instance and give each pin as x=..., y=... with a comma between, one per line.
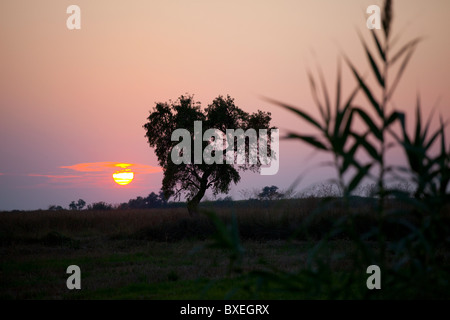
x=121, y=269
x=164, y=254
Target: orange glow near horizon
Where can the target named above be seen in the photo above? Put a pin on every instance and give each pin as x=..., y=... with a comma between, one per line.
x=123, y=177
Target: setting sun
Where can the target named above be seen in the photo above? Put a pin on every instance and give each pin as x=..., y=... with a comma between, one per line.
x=123, y=177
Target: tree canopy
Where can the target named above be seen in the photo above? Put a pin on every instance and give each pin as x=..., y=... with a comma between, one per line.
x=193, y=179
x=270, y=193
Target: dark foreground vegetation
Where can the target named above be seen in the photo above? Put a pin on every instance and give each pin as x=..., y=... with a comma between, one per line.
x=165, y=254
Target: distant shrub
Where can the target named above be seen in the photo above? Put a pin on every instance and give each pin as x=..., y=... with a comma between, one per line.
x=270, y=193
x=55, y=208
x=100, y=206
x=77, y=205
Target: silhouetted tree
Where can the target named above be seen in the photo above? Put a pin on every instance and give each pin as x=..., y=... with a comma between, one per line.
x=100, y=206
x=226, y=199
x=55, y=208
x=78, y=205
x=137, y=203
x=194, y=179
x=270, y=193
x=153, y=200
x=162, y=198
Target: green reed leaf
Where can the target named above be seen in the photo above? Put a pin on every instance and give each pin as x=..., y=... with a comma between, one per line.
x=372, y=62
x=358, y=177
x=378, y=44
x=366, y=90
x=372, y=126
x=405, y=49
x=308, y=139
x=297, y=111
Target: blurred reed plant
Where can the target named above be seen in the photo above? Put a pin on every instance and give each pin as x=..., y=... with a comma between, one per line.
x=414, y=264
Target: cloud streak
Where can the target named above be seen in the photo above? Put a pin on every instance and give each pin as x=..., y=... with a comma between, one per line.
x=110, y=167
x=53, y=176
x=93, y=174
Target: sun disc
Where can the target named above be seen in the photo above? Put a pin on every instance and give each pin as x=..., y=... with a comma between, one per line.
x=123, y=178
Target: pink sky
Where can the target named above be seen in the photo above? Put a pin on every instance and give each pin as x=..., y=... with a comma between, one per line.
x=81, y=96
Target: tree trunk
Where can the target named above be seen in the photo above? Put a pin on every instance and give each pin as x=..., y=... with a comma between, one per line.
x=192, y=207
x=192, y=204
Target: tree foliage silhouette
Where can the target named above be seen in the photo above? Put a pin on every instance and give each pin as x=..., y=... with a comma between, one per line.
x=100, y=206
x=77, y=205
x=192, y=180
x=270, y=193
x=153, y=200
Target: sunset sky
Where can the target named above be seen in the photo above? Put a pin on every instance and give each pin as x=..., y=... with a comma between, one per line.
x=73, y=102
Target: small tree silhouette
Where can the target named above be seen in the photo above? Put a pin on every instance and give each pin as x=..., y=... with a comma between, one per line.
x=153, y=200
x=270, y=193
x=100, y=206
x=55, y=208
x=78, y=205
